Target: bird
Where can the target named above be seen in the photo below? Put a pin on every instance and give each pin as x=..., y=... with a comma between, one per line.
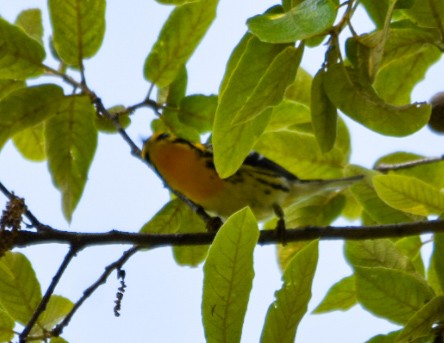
x=264, y=186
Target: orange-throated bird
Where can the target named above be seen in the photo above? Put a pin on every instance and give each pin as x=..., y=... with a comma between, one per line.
x=261, y=184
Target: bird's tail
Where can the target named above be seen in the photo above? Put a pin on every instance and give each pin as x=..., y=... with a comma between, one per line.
x=303, y=189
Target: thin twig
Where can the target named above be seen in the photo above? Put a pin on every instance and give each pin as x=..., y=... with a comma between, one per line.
x=90, y=290
x=49, y=292
x=410, y=164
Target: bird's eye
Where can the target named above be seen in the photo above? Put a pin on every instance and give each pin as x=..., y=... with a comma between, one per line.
x=162, y=136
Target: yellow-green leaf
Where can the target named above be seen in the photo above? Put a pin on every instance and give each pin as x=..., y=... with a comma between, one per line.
x=8, y=86
x=305, y=20
x=422, y=323
x=438, y=258
x=271, y=87
x=324, y=116
x=228, y=277
x=179, y=37
x=285, y=313
x=19, y=288
x=409, y=194
x=197, y=111
x=247, y=66
x=71, y=140
x=78, y=28
x=377, y=253
x=21, y=56
x=31, y=22
x=354, y=96
x=340, y=297
x=58, y=307
x=27, y=107
x=284, y=148
x=391, y=293
x=31, y=143
x=6, y=326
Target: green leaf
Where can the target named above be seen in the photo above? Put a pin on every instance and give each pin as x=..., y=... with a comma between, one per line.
x=411, y=247
x=288, y=114
x=286, y=312
x=58, y=340
x=31, y=22
x=228, y=277
x=106, y=125
x=391, y=293
x=198, y=111
x=168, y=219
x=71, y=140
x=6, y=326
x=340, y=297
x=270, y=90
x=21, y=56
x=247, y=66
x=177, y=90
x=387, y=338
x=377, y=209
x=409, y=194
x=190, y=255
x=31, y=143
x=438, y=257
x=377, y=253
x=300, y=90
x=57, y=309
x=307, y=19
x=19, y=288
x=8, y=86
x=422, y=323
x=27, y=107
x=427, y=13
x=355, y=97
x=410, y=69
x=175, y=2
x=78, y=28
x=323, y=114
x=283, y=147
x=179, y=37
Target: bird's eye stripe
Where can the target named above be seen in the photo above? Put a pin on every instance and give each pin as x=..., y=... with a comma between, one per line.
x=162, y=136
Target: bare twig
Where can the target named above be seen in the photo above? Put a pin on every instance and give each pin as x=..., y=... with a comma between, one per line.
x=410, y=164
x=44, y=302
x=90, y=290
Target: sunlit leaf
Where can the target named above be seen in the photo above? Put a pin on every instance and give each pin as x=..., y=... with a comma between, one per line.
x=272, y=85
x=31, y=143
x=340, y=297
x=21, y=56
x=409, y=194
x=391, y=293
x=31, y=22
x=71, y=140
x=283, y=147
x=58, y=307
x=355, y=97
x=6, y=326
x=377, y=253
x=411, y=247
x=307, y=19
x=178, y=39
x=27, y=107
x=78, y=28
x=19, y=288
x=285, y=313
x=198, y=111
x=247, y=66
x=422, y=322
x=228, y=277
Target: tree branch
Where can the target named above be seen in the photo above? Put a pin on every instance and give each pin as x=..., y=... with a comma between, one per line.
x=410, y=164
x=90, y=290
x=25, y=238
x=44, y=302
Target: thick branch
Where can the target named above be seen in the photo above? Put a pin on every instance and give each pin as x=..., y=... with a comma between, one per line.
x=25, y=238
